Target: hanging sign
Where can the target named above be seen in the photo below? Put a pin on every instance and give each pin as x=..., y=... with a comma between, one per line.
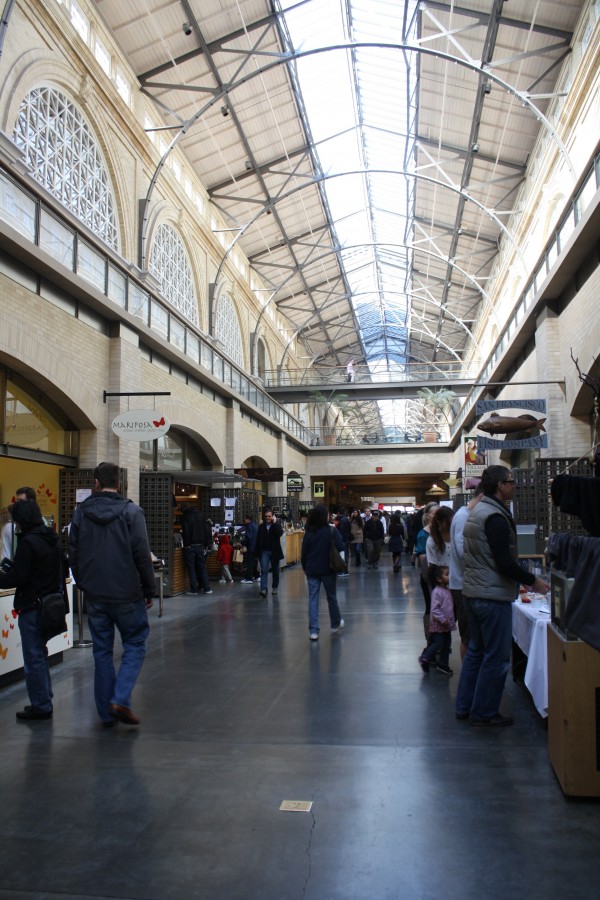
x=140, y=425
x=516, y=429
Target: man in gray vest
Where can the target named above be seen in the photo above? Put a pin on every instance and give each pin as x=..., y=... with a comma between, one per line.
x=491, y=584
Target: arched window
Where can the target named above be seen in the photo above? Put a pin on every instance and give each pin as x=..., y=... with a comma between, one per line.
x=173, y=452
x=261, y=359
x=227, y=329
x=170, y=265
x=65, y=158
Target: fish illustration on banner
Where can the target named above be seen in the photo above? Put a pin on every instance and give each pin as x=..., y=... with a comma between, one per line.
x=521, y=431
x=509, y=424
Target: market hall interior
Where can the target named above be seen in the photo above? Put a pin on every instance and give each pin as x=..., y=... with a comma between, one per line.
x=240, y=712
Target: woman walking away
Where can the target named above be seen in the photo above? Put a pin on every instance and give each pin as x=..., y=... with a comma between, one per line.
x=316, y=545
x=421, y=560
x=438, y=542
x=356, y=529
x=36, y=571
x=396, y=542
x=441, y=622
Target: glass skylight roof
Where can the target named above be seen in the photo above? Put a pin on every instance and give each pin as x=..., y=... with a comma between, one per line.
x=358, y=106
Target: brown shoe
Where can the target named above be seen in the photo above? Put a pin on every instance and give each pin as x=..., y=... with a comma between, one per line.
x=123, y=714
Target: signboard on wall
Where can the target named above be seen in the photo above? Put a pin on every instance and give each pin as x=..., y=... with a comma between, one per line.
x=294, y=483
x=319, y=489
x=140, y=425
x=265, y=474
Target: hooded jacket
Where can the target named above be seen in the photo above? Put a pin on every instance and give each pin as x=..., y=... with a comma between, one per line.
x=37, y=567
x=109, y=553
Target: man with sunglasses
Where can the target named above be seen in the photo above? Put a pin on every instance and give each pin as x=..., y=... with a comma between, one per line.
x=491, y=584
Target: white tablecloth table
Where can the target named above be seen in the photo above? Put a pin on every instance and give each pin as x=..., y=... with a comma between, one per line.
x=529, y=627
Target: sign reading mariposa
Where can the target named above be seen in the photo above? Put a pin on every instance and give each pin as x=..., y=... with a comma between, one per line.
x=140, y=425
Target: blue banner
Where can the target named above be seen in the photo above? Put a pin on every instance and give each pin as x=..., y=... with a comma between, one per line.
x=485, y=406
x=486, y=443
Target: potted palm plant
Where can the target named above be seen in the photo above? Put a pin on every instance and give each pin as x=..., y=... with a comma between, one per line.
x=437, y=406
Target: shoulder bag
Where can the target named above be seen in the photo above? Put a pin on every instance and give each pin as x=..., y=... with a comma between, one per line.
x=53, y=610
x=335, y=560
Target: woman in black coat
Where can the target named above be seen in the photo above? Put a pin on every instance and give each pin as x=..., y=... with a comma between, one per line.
x=315, y=561
x=36, y=571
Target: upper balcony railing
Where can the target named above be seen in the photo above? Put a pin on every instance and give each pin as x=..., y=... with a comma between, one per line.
x=437, y=373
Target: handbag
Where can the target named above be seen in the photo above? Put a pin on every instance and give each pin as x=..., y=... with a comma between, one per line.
x=238, y=556
x=335, y=560
x=53, y=610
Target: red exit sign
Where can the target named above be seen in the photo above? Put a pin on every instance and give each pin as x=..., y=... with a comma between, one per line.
x=379, y=468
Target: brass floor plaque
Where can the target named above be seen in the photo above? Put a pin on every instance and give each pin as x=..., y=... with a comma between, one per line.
x=296, y=806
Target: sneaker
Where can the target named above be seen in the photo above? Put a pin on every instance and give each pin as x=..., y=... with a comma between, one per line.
x=314, y=635
x=339, y=628
x=263, y=593
x=256, y=580
x=207, y=592
x=445, y=670
x=246, y=581
x=343, y=575
x=424, y=663
x=221, y=581
x=275, y=591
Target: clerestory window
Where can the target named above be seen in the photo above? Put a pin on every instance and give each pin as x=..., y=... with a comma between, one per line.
x=65, y=158
x=227, y=329
x=169, y=264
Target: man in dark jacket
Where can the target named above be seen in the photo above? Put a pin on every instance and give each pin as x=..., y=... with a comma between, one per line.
x=250, y=535
x=110, y=558
x=374, y=534
x=269, y=552
x=197, y=541
x=35, y=572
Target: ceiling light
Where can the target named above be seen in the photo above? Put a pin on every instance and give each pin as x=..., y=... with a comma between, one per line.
x=475, y=147
x=248, y=165
x=224, y=111
x=187, y=28
x=435, y=491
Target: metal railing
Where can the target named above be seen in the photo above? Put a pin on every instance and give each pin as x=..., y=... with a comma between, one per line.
x=436, y=373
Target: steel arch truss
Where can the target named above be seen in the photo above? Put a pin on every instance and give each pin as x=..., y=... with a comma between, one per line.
x=465, y=163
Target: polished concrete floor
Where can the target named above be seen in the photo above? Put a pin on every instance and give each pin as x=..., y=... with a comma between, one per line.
x=241, y=712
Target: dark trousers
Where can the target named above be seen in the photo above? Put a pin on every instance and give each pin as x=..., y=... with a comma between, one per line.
x=251, y=565
x=195, y=557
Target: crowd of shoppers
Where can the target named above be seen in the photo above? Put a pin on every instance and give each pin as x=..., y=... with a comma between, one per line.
x=468, y=568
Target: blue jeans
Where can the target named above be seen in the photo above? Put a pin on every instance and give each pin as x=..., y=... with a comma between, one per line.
x=314, y=589
x=195, y=558
x=131, y=619
x=486, y=662
x=439, y=642
x=35, y=660
x=268, y=560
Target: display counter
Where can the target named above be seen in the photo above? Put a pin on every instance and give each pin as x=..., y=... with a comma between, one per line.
x=11, y=656
x=293, y=546
x=529, y=626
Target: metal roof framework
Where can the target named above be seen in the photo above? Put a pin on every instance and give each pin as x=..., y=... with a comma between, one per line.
x=366, y=155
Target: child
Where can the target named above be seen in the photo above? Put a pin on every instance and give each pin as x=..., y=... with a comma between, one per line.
x=225, y=555
x=441, y=622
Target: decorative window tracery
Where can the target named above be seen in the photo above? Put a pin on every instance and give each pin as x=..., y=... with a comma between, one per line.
x=227, y=329
x=65, y=158
x=169, y=264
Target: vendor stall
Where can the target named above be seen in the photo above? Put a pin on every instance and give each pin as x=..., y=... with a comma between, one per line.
x=11, y=656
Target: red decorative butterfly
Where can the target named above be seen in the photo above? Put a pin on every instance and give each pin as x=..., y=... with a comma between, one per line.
x=158, y=424
x=11, y=626
x=15, y=613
